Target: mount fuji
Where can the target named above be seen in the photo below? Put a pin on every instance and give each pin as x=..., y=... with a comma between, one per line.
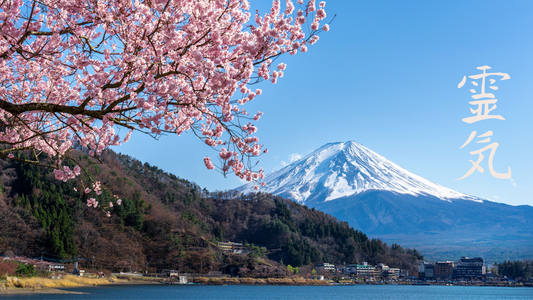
x=380, y=198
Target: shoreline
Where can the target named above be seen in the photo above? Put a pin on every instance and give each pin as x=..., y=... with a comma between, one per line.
x=231, y=281
x=61, y=290
x=22, y=291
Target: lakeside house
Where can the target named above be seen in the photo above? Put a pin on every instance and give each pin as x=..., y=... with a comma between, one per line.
x=320, y=268
x=170, y=273
x=394, y=272
x=465, y=269
x=56, y=267
x=470, y=268
x=232, y=247
x=404, y=273
x=430, y=271
x=444, y=269
x=370, y=272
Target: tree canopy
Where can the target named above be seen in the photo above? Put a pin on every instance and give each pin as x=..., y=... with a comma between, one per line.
x=74, y=74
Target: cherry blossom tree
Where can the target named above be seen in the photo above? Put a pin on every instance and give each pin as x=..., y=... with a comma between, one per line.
x=89, y=73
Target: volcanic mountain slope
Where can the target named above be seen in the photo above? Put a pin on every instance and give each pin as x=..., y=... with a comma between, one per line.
x=375, y=195
x=338, y=170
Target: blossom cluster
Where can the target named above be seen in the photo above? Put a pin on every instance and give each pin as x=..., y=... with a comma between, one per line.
x=91, y=202
x=74, y=73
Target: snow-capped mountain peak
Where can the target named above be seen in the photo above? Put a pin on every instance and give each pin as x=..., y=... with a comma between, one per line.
x=337, y=170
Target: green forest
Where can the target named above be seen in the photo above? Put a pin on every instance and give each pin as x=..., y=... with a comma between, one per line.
x=515, y=269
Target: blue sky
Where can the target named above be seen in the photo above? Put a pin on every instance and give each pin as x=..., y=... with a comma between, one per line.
x=386, y=76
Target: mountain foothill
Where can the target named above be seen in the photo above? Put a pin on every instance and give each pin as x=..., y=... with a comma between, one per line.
x=166, y=222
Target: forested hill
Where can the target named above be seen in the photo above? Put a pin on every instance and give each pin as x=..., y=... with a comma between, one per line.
x=166, y=221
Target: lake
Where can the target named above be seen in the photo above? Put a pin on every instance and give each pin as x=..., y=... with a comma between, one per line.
x=366, y=292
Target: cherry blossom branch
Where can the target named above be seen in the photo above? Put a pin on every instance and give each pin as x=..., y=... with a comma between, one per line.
x=73, y=74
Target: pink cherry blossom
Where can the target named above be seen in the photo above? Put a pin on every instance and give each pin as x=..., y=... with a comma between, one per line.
x=225, y=155
x=108, y=214
x=77, y=170
x=208, y=163
x=85, y=75
x=311, y=6
x=119, y=201
x=257, y=116
x=290, y=7
x=91, y=202
x=97, y=188
x=320, y=14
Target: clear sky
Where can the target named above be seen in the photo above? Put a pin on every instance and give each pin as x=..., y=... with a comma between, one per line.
x=386, y=75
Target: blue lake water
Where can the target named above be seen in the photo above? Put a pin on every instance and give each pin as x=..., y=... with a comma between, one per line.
x=366, y=292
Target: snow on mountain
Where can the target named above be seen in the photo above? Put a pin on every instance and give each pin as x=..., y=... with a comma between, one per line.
x=337, y=170
x=378, y=197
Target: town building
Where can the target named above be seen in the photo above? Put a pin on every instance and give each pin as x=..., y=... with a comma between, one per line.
x=388, y=272
x=429, y=271
x=394, y=272
x=444, y=269
x=56, y=267
x=350, y=269
x=365, y=271
x=470, y=268
x=323, y=267
x=421, y=270
x=231, y=247
x=404, y=273
x=383, y=267
x=170, y=273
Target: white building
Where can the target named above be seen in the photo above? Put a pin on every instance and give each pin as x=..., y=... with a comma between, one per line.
x=324, y=267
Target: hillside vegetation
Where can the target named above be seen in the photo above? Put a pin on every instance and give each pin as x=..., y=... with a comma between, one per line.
x=169, y=222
